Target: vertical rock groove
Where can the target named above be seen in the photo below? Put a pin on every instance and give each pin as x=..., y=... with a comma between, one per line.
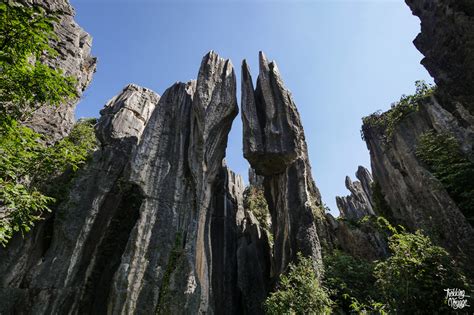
x=275, y=146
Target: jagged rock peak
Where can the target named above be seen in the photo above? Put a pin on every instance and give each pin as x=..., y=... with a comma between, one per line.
x=275, y=147
x=273, y=138
x=126, y=114
x=359, y=203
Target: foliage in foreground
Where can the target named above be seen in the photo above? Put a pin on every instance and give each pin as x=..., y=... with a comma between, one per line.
x=26, y=82
x=299, y=292
x=442, y=154
x=411, y=280
x=415, y=275
x=28, y=167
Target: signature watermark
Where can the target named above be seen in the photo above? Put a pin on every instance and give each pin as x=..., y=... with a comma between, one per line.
x=456, y=298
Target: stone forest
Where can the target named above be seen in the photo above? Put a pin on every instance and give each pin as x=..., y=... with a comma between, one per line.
x=136, y=212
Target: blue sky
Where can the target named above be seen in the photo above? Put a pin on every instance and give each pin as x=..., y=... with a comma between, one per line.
x=342, y=60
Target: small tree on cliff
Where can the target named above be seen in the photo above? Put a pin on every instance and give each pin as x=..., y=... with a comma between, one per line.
x=299, y=291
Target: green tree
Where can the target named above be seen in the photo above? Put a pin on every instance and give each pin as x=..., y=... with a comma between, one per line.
x=299, y=291
x=414, y=277
x=26, y=81
x=27, y=166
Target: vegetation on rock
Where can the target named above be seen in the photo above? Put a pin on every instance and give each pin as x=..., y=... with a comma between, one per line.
x=26, y=81
x=388, y=120
x=27, y=167
x=415, y=275
x=442, y=154
x=347, y=279
x=255, y=202
x=411, y=279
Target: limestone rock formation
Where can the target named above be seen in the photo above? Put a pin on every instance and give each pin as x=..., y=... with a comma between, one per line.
x=74, y=58
x=358, y=237
x=254, y=263
x=72, y=271
x=359, y=203
x=155, y=222
x=415, y=198
x=446, y=40
x=176, y=165
x=254, y=179
x=275, y=146
x=362, y=240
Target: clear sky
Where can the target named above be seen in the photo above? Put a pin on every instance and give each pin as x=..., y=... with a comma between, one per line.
x=342, y=60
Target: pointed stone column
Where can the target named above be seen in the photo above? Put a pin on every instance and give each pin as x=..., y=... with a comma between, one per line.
x=275, y=146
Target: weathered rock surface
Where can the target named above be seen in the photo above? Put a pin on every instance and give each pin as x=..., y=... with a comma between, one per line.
x=275, y=146
x=176, y=165
x=72, y=271
x=359, y=203
x=447, y=42
x=360, y=238
x=74, y=58
x=416, y=199
x=155, y=223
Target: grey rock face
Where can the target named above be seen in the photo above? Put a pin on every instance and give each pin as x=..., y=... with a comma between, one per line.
x=154, y=222
x=177, y=165
x=416, y=198
x=75, y=59
x=274, y=145
x=71, y=272
x=254, y=263
x=359, y=203
x=447, y=40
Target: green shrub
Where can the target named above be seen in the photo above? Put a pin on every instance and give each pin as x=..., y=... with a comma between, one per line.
x=407, y=104
x=414, y=277
x=442, y=154
x=347, y=279
x=255, y=202
x=299, y=292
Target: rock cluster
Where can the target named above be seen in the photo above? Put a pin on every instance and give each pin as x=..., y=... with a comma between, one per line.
x=66, y=265
x=359, y=203
x=155, y=222
x=355, y=230
x=415, y=198
x=275, y=146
